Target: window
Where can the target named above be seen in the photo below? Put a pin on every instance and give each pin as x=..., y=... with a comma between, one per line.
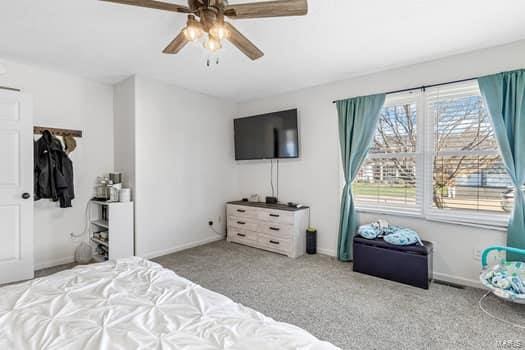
x=434, y=153
x=388, y=176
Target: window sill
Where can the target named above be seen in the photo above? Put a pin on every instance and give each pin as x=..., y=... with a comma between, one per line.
x=478, y=221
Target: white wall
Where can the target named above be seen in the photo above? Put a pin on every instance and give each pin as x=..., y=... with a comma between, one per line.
x=124, y=132
x=184, y=167
x=66, y=101
x=314, y=179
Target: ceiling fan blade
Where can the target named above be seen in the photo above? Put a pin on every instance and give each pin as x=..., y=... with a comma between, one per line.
x=177, y=44
x=242, y=43
x=267, y=9
x=159, y=5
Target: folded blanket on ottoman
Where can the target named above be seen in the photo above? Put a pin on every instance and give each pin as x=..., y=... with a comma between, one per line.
x=390, y=233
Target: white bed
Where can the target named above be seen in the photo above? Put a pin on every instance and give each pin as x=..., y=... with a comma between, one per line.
x=135, y=304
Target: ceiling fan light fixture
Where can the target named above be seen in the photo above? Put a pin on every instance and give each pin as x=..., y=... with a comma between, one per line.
x=205, y=19
x=219, y=31
x=193, y=30
x=213, y=44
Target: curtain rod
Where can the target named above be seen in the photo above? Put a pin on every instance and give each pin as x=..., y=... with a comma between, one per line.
x=423, y=87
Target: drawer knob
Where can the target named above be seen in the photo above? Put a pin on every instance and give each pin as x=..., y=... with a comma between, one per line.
x=275, y=215
x=275, y=228
x=241, y=210
x=274, y=242
x=241, y=235
x=241, y=222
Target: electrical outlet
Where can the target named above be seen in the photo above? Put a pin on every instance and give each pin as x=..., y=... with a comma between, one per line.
x=497, y=257
x=476, y=254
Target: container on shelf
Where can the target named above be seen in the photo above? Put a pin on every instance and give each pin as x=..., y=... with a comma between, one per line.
x=116, y=178
x=125, y=195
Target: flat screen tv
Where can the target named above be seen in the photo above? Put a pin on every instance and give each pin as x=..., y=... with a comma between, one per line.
x=267, y=136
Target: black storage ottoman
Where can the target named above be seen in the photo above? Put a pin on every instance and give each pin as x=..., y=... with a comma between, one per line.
x=406, y=264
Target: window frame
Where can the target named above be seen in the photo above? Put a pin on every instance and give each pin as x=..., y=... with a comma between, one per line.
x=424, y=154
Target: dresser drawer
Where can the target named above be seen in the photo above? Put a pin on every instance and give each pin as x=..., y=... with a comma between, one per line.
x=242, y=236
x=279, y=216
x=242, y=211
x=276, y=229
x=242, y=223
x=274, y=244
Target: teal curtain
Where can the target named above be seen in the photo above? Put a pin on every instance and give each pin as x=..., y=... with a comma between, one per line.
x=357, y=124
x=504, y=95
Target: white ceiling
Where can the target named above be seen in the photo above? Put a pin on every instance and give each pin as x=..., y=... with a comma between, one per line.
x=336, y=40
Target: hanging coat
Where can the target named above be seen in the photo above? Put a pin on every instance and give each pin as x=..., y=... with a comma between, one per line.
x=53, y=171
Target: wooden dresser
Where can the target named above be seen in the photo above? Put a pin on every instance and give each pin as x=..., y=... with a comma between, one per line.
x=274, y=227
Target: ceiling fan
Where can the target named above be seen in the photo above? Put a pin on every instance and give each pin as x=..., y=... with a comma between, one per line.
x=207, y=17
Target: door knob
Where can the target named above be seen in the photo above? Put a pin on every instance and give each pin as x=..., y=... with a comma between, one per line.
x=26, y=195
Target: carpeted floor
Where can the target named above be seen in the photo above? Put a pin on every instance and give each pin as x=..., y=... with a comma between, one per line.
x=351, y=310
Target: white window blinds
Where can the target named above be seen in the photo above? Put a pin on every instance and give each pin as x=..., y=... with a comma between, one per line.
x=435, y=153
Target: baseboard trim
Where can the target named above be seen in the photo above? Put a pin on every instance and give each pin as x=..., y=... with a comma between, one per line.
x=437, y=275
x=328, y=252
x=52, y=263
x=180, y=247
x=67, y=260
x=457, y=280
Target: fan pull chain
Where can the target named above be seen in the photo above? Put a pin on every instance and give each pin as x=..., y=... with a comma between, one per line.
x=209, y=61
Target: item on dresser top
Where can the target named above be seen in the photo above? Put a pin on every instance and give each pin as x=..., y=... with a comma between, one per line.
x=254, y=198
x=53, y=171
x=271, y=200
x=294, y=205
x=311, y=240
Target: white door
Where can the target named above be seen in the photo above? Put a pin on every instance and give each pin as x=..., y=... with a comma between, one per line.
x=16, y=187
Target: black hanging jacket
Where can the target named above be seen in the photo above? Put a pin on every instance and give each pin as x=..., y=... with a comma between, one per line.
x=53, y=171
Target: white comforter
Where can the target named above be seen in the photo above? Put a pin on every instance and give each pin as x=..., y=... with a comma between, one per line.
x=134, y=304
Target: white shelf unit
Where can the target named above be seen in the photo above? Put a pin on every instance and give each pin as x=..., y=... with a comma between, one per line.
x=116, y=219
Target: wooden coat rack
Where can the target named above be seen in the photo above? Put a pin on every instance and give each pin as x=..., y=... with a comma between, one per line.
x=38, y=130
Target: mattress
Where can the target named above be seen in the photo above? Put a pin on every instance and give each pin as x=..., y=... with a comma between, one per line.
x=135, y=304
